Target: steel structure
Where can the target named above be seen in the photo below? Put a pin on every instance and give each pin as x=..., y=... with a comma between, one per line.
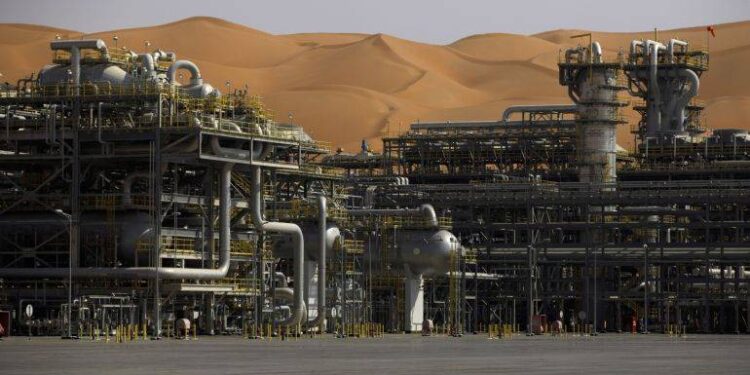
x=558, y=223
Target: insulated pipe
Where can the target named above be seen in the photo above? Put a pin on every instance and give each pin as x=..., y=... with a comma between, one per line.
x=148, y=63
x=425, y=210
x=288, y=294
x=297, y=241
x=654, y=112
x=634, y=45
x=280, y=279
x=322, y=217
x=670, y=48
x=542, y=108
x=597, y=53
x=160, y=55
x=75, y=47
x=171, y=273
x=692, y=77
x=195, y=73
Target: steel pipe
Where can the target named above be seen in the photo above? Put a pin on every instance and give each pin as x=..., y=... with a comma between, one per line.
x=172, y=273
x=297, y=242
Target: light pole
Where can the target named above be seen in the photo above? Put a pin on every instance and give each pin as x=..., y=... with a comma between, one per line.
x=70, y=270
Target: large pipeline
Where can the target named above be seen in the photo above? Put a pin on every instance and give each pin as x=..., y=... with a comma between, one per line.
x=154, y=272
x=297, y=240
x=596, y=50
x=692, y=77
x=670, y=48
x=147, y=60
x=654, y=119
x=195, y=73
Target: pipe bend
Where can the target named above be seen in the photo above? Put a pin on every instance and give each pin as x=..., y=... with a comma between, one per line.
x=299, y=278
x=290, y=229
x=195, y=73
x=429, y=212
x=147, y=60
x=670, y=48
x=597, y=52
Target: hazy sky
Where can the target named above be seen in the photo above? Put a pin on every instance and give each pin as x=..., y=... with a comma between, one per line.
x=435, y=21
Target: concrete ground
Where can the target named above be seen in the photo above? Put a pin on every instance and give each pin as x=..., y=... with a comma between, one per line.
x=392, y=354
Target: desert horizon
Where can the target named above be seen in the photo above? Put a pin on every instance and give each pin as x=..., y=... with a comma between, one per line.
x=345, y=87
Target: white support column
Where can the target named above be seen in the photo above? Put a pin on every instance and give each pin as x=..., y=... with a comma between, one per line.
x=414, y=306
x=311, y=289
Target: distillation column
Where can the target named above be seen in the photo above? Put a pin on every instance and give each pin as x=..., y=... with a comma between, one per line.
x=593, y=86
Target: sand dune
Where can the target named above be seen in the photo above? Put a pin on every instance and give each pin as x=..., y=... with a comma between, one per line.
x=347, y=87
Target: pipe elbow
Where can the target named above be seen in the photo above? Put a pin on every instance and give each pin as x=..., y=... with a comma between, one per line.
x=147, y=60
x=429, y=212
x=195, y=73
x=596, y=50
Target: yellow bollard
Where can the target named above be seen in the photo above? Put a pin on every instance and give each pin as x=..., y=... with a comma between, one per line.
x=145, y=332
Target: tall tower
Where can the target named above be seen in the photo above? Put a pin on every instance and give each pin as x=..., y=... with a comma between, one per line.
x=593, y=85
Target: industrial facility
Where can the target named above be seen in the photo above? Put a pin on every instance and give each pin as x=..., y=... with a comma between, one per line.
x=136, y=199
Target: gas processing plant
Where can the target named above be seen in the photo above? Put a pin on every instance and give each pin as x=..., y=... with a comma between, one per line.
x=136, y=198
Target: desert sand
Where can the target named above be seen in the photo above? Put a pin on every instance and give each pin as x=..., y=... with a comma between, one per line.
x=347, y=87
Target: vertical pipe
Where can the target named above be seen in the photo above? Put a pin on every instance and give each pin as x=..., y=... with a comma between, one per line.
x=297, y=242
x=530, y=293
x=322, y=222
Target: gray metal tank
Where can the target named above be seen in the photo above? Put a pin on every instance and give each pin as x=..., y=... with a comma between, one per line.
x=426, y=252
x=54, y=74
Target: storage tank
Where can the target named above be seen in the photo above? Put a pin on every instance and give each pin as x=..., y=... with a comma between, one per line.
x=56, y=74
x=426, y=252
